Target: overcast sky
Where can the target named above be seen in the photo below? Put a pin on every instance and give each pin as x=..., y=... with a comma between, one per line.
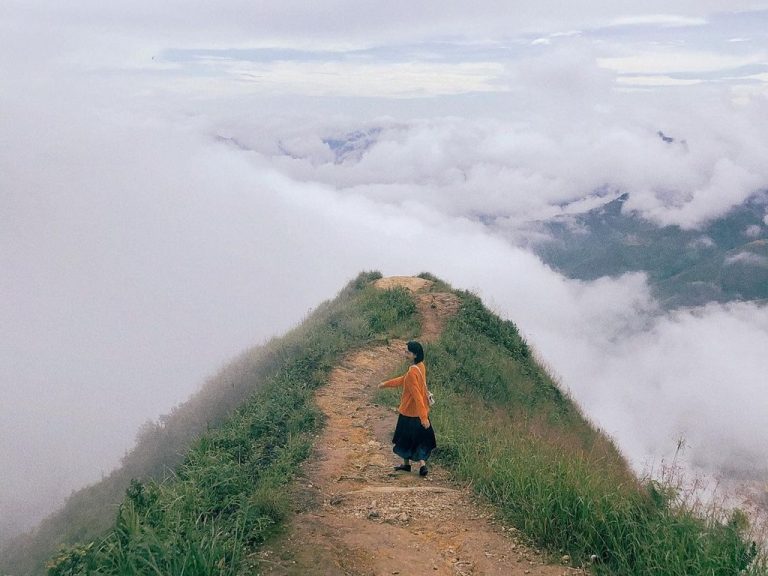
x=171, y=193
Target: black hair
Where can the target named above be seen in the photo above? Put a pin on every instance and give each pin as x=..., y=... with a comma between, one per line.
x=416, y=348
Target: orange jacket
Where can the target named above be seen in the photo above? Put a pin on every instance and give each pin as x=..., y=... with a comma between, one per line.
x=413, y=401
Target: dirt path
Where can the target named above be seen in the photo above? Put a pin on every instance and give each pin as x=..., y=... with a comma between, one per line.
x=356, y=516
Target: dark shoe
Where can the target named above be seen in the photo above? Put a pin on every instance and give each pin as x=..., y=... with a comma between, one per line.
x=423, y=471
x=403, y=468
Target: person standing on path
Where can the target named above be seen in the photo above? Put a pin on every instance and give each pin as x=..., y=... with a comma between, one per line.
x=414, y=438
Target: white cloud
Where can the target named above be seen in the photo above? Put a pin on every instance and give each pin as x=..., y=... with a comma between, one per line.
x=747, y=259
x=727, y=184
x=670, y=61
x=139, y=252
x=692, y=376
x=531, y=167
x=566, y=34
x=650, y=379
x=342, y=22
x=666, y=20
x=656, y=80
x=351, y=79
x=702, y=242
x=154, y=251
x=760, y=77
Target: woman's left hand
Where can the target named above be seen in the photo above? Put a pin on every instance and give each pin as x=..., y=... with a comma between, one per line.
x=427, y=424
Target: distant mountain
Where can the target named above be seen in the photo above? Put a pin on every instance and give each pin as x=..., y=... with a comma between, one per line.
x=353, y=145
x=725, y=260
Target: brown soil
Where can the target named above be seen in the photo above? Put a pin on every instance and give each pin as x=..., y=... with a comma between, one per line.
x=356, y=516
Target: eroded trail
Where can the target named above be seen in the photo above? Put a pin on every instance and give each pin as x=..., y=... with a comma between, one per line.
x=356, y=516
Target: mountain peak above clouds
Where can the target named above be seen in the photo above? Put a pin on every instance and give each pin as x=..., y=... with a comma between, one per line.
x=352, y=146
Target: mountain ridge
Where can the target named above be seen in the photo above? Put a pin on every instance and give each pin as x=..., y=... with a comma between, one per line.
x=505, y=429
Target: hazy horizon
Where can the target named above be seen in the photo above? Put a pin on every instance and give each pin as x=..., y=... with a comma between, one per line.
x=180, y=183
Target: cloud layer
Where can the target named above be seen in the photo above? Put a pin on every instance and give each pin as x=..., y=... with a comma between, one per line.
x=158, y=216
x=541, y=165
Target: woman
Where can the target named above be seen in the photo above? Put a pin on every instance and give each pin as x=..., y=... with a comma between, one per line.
x=414, y=437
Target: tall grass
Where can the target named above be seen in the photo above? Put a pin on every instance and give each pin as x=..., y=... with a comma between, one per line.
x=229, y=494
x=504, y=426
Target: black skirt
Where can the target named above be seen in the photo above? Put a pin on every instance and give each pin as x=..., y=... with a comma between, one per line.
x=411, y=440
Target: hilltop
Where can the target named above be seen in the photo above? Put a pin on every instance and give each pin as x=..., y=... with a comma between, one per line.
x=361, y=517
x=280, y=464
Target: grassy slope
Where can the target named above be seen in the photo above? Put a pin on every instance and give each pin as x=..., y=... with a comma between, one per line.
x=502, y=424
x=246, y=428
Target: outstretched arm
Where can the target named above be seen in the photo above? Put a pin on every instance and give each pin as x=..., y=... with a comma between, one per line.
x=393, y=383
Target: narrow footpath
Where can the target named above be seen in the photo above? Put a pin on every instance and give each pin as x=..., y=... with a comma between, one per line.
x=356, y=516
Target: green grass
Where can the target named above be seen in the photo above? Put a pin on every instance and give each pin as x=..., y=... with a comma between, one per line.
x=505, y=427
x=230, y=493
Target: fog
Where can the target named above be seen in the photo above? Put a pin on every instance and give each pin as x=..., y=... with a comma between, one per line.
x=169, y=197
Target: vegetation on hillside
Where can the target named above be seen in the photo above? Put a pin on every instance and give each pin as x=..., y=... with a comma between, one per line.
x=503, y=426
x=240, y=439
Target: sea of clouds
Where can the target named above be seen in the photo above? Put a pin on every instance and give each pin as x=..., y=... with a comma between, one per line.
x=154, y=223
